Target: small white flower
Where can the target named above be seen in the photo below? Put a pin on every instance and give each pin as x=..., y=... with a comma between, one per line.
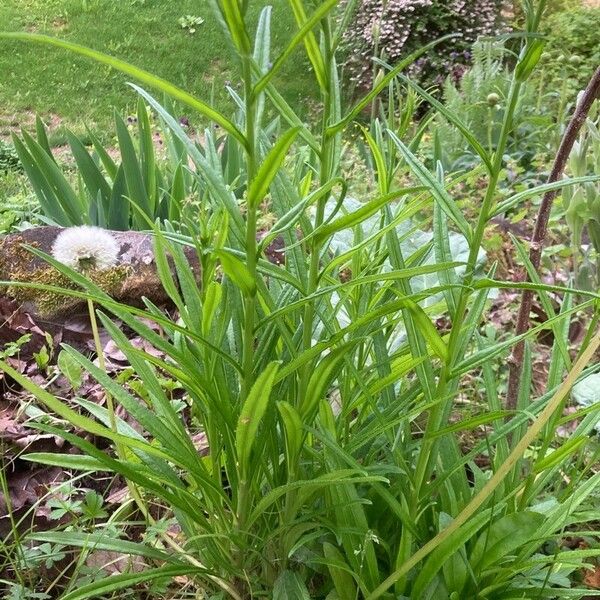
x=85, y=247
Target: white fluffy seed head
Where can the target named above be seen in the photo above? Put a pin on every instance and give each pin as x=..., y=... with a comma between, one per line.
x=85, y=247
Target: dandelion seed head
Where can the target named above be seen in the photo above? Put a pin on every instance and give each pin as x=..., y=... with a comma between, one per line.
x=85, y=247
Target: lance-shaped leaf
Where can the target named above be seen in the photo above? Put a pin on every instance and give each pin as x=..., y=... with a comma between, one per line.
x=269, y=168
x=252, y=413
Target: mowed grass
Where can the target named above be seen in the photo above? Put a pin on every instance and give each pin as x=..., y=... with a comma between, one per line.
x=67, y=90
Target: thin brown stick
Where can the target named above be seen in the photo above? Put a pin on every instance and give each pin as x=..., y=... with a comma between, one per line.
x=586, y=101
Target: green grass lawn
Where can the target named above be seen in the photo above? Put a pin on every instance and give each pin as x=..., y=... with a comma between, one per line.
x=68, y=90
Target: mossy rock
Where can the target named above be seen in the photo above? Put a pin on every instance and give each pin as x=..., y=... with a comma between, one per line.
x=133, y=276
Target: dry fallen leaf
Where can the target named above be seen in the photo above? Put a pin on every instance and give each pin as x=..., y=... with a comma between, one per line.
x=592, y=578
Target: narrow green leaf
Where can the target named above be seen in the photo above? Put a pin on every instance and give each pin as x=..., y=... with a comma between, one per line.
x=137, y=73
x=124, y=581
x=46, y=196
x=540, y=190
x=269, y=168
x=237, y=271
x=235, y=23
x=252, y=413
x=298, y=37
x=434, y=186
x=78, y=462
x=61, y=188
x=136, y=188
x=102, y=541
x=455, y=120
x=93, y=178
x=310, y=43
x=383, y=84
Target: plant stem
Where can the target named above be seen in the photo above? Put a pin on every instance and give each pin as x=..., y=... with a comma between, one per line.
x=427, y=457
x=251, y=220
x=503, y=470
x=315, y=246
x=249, y=297
x=110, y=407
x=590, y=94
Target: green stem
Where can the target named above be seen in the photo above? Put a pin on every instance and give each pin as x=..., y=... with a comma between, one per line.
x=315, y=246
x=427, y=456
x=110, y=407
x=249, y=297
x=251, y=224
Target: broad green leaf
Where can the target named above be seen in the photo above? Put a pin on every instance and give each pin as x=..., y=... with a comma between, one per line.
x=504, y=537
x=340, y=573
x=289, y=586
x=445, y=550
x=70, y=369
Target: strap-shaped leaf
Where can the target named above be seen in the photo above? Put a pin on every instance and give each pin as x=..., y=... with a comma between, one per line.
x=437, y=190
x=47, y=198
x=311, y=45
x=64, y=193
x=360, y=105
x=269, y=168
x=455, y=120
x=300, y=35
x=252, y=413
x=140, y=74
x=93, y=178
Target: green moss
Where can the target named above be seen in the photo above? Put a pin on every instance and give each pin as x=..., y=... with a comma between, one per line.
x=49, y=303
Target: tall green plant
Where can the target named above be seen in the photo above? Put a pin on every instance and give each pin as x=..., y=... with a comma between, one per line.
x=323, y=387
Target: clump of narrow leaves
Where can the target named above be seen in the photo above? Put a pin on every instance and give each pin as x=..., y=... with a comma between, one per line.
x=326, y=391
